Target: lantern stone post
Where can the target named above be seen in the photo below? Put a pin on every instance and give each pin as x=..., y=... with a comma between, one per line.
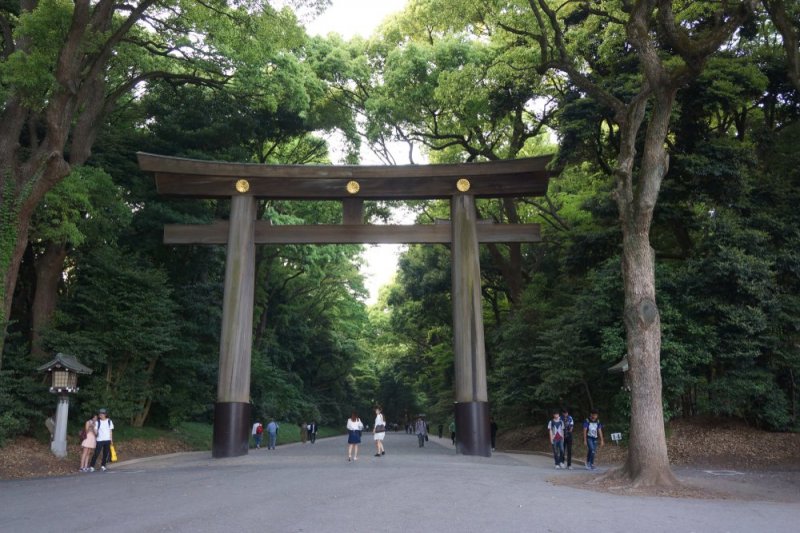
x=64, y=370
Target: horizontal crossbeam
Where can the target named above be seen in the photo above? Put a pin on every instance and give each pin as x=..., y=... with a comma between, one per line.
x=265, y=233
x=213, y=179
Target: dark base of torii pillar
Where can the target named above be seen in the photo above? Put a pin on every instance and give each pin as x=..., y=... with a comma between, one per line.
x=472, y=429
x=231, y=429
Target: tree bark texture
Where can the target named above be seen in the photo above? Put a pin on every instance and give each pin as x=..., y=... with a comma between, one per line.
x=49, y=269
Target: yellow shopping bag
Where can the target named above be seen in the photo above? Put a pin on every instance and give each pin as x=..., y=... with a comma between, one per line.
x=113, y=454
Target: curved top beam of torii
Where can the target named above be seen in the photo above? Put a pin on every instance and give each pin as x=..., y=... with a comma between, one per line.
x=213, y=179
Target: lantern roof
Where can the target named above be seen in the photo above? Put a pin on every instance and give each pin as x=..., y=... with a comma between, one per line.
x=68, y=362
x=621, y=366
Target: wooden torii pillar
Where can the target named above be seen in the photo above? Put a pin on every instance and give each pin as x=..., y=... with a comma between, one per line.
x=245, y=183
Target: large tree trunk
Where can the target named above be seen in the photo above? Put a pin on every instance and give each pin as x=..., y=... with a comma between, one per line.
x=141, y=417
x=14, y=225
x=647, y=463
x=49, y=269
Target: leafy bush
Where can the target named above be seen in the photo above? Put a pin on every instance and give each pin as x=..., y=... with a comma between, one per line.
x=24, y=400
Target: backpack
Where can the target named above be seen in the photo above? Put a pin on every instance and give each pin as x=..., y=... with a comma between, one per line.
x=97, y=426
x=259, y=429
x=592, y=428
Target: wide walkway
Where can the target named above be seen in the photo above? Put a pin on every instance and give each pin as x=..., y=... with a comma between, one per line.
x=312, y=488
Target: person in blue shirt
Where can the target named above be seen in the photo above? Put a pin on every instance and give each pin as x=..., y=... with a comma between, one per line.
x=272, y=430
x=592, y=430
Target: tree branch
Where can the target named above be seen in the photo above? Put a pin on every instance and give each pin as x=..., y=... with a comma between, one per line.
x=8, y=37
x=782, y=21
x=565, y=64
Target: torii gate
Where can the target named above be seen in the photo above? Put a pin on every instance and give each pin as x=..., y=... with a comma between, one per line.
x=245, y=183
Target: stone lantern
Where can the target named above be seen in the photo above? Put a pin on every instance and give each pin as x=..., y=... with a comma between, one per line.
x=622, y=367
x=64, y=370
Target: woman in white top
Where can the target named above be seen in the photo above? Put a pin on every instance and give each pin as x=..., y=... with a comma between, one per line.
x=354, y=427
x=379, y=432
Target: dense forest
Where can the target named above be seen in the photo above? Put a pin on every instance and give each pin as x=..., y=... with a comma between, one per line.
x=85, y=85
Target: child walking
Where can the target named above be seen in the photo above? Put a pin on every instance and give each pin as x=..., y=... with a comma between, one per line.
x=556, y=429
x=592, y=430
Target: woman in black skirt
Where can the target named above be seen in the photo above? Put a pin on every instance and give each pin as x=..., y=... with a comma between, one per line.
x=354, y=427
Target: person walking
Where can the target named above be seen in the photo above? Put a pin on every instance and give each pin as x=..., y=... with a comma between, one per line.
x=312, y=431
x=441, y=429
x=421, y=430
x=592, y=430
x=104, y=429
x=89, y=443
x=493, y=432
x=272, y=433
x=569, y=426
x=354, y=428
x=452, y=428
x=556, y=430
x=379, y=432
x=258, y=433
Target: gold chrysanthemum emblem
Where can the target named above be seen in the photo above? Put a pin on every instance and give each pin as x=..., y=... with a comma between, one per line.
x=353, y=187
x=242, y=186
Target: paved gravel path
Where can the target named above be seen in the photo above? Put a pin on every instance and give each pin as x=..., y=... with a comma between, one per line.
x=312, y=488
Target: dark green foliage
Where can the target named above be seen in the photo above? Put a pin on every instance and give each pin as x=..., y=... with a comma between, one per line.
x=24, y=397
x=124, y=339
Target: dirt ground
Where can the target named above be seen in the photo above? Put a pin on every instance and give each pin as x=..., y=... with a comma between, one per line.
x=26, y=457
x=711, y=443
x=712, y=459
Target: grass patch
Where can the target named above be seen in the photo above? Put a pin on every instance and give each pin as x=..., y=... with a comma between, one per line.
x=125, y=432
x=196, y=435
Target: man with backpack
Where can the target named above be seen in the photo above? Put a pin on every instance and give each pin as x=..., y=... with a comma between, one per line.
x=258, y=433
x=592, y=430
x=556, y=430
x=105, y=428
